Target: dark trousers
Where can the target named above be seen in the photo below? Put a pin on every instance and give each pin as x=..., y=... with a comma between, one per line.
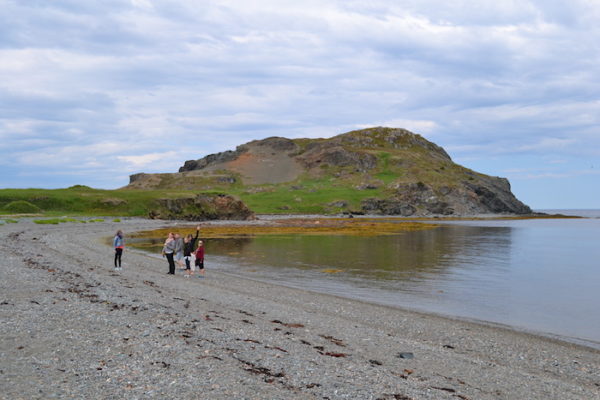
x=171, y=263
x=118, y=253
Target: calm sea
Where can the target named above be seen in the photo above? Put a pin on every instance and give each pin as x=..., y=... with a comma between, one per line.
x=537, y=275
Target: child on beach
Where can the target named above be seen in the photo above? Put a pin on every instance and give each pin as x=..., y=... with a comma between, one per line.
x=179, y=250
x=200, y=258
x=119, y=244
x=188, y=248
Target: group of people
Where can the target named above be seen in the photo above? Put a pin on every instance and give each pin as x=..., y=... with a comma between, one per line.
x=175, y=250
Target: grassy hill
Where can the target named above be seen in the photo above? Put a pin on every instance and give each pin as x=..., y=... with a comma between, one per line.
x=376, y=170
x=313, y=197
x=82, y=200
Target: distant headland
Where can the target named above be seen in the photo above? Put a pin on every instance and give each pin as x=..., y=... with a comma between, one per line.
x=371, y=171
x=375, y=171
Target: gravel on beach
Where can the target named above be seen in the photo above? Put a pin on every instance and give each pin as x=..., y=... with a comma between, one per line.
x=72, y=327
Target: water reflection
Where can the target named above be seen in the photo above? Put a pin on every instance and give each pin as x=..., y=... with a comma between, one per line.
x=411, y=256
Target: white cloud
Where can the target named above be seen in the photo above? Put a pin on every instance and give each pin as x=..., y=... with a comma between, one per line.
x=144, y=4
x=534, y=175
x=145, y=160
x=182, y=79
x=547, y=144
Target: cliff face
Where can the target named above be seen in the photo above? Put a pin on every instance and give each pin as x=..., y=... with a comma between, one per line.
x=408, y=174
x=493, y=196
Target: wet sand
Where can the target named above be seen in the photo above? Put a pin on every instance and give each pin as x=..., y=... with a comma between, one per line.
x=74, y=328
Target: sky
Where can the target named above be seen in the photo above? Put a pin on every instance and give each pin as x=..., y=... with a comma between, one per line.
x=93, y=91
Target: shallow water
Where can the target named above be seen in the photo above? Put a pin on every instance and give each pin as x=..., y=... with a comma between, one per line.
x=537, y=275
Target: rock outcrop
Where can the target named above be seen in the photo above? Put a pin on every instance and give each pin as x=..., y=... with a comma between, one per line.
x=490, y=195
x=202, y=207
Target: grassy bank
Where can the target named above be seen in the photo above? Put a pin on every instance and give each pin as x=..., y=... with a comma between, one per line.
x=310, y=196
x=81, y=201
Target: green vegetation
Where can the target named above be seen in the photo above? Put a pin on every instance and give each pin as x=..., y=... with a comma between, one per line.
x=11, y=221
x=85, y=201
x=20, y=207
x=294, y=226
x=54, y=221
x=306, y=196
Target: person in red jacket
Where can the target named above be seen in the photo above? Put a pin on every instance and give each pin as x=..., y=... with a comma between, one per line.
x=200, y=258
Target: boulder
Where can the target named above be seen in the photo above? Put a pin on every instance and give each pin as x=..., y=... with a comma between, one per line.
x=113, y=202
x=202, y=207
x=388, y=206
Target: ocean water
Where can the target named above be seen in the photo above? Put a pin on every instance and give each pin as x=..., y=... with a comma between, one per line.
x=539, y=275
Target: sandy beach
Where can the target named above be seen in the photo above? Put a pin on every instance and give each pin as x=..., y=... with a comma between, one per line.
x=74, y=328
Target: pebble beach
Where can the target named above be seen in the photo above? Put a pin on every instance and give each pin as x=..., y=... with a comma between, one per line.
x=72, y=327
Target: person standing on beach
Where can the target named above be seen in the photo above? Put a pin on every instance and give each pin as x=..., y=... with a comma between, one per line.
x=188, y=247
x=179, y=250
x=168, y=250
x=119, y=245
x=200, y=258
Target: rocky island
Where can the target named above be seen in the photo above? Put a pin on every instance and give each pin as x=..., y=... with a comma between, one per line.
x=379, y=170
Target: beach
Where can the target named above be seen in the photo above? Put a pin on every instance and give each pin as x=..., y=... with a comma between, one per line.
x=72, y=327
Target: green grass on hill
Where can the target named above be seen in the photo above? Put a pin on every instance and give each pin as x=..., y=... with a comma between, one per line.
x=20, y=207
x=316, y=196
x=82, y=200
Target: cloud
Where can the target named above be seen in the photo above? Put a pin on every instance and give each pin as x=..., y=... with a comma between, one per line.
x=545, y=144
x=184, y=79
x=537, y=174
x=145, y=160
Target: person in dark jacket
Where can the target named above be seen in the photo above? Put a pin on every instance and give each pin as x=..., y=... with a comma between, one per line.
x=188, y=248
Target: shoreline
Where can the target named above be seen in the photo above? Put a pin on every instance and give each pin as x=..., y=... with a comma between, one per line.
x=141, y=334
x=585, y=343
x=572, y=340
x=236, y=267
